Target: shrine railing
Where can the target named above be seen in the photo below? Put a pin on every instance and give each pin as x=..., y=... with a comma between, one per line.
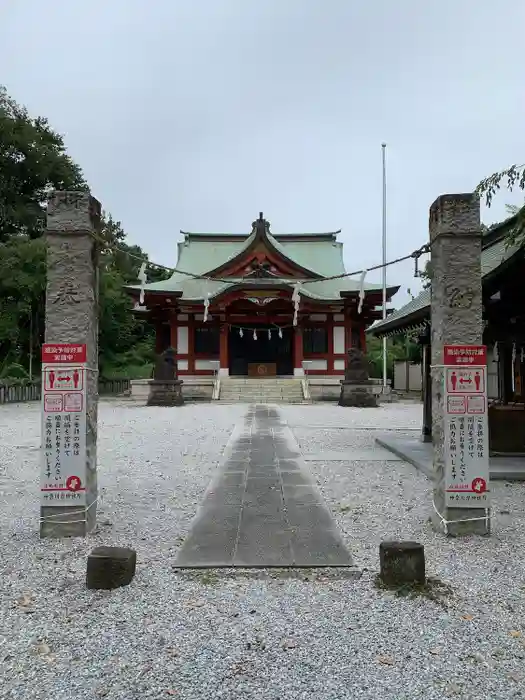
x=18, y=392
x=113, y=387
x=23, y=391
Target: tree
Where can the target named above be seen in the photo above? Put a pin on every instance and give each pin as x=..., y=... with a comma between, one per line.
x=33, y=161
x=125, y=342
x=512, y=178
x=22, y=300
x=512, y=209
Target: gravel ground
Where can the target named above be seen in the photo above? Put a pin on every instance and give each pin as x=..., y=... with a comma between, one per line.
x=238, y=635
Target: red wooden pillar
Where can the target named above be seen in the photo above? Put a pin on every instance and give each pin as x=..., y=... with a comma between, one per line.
x=298, y=352
x=191, y=344
x=330, y=331
x=173, y=330
x=159, y=337
x=348, y=332
x=223, y=351
x=362, y=336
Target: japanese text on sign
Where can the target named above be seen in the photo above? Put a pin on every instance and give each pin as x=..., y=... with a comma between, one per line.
x=466, y=430
x=465, y=355
x=63, y=474
x=66, y=353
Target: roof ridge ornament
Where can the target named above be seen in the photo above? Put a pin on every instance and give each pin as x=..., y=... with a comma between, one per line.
x=261, y=227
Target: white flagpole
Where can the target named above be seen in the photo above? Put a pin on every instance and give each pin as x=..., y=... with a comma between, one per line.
x=383, y=153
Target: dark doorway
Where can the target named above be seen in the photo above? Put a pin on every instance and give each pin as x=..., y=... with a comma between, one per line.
x=244, y=350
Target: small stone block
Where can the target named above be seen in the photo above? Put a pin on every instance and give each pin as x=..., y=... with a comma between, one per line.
x=402, y=562
x=110, y=567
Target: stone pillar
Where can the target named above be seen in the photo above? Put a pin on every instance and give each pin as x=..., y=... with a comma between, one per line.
x=298, y=356
x=224, y=364
x=426, y=431
x=72, y=317
x=456, y=318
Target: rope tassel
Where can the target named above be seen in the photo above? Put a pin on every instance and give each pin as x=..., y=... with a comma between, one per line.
x=361, y=291
x=143, y=280
x=206, y=307
x=296, y=298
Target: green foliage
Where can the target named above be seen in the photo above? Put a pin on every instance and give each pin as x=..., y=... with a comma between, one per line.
x=124, y=340
x=511, y=178
x=398, y=348
x=22, y=298
x=13, y=371
x=33, y=161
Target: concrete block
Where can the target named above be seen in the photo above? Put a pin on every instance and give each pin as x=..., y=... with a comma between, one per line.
x=401, y=563
x=110, y=567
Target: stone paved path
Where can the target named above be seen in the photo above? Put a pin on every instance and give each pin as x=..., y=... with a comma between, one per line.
x=263, y=509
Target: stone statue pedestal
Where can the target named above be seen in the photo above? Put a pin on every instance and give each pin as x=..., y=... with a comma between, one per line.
x=163, y=392
x=357, y=394
x=165, y=389
x=356, y=387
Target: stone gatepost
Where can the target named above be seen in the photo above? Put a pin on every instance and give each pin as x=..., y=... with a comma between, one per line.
x=72, y=318
x=456, y=319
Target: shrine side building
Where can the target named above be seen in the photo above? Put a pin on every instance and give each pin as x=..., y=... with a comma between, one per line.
x=502, y=272
x=231, y=301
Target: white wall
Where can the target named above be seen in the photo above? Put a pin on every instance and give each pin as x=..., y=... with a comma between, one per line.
x=315, y=364
x=339, y=340
x=415, y=381
x=182, y=340
x=206, y=364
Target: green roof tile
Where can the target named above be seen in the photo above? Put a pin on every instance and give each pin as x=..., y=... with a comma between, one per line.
x=198, y=256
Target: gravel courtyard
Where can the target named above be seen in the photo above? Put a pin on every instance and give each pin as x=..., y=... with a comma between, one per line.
x=259, y=634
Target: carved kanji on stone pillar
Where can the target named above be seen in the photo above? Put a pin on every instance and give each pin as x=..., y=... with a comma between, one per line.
x=456, y=318
x=72, y=317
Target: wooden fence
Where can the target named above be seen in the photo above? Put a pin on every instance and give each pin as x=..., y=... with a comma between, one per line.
x=15, y=392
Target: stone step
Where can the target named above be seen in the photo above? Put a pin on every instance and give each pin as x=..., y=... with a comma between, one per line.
x=275, y=390
x=246, y=397
x=255, y=390
x=246, y=385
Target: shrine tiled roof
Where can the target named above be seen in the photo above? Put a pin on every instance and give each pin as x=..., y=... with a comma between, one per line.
x=320, y=255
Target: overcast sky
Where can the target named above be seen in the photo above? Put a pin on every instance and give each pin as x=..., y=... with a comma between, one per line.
x=198, y=114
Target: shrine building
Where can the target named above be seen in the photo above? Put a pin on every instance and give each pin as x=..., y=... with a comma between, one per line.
x=231, y=303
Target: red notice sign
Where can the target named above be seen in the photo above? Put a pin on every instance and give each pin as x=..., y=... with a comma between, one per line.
x=464, y=355
x=64, y=353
